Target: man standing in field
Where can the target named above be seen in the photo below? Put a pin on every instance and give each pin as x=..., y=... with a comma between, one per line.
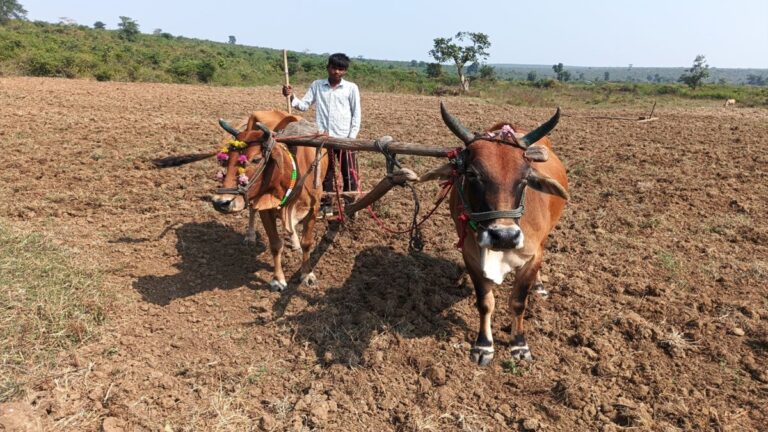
x=338, y=113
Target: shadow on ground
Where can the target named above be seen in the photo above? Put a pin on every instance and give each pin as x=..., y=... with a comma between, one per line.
x=410, y=295
x=213, y=256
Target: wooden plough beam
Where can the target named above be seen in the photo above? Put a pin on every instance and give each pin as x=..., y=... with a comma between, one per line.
x=397, y=178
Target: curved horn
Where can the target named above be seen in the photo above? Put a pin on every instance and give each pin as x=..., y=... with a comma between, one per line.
x=531, y=137
x=224, y=125
x=455, y=126
x=267, y=132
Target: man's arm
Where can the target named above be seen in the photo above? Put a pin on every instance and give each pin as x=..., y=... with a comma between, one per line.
x=304, y=103
x=354, y=106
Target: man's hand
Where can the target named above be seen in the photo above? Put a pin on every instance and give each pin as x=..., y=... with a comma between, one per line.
x=288, y=91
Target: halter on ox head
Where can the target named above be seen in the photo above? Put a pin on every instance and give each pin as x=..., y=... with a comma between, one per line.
x=245, y=161
x=494, y=170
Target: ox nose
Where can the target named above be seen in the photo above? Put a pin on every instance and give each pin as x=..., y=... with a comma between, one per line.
x=223, y=206
x=503, y=237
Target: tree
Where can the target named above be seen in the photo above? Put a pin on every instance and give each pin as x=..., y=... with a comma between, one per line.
x=98, y=25
x=11, y=9
x=157, y=32
x=128, y=28
x=232, y=40
x=698, y=72
x=756, y=80
x=487, y=72
x=607, y=76
x=531, y=76
x=445, y=49
x=434, y=70
x=561, y=73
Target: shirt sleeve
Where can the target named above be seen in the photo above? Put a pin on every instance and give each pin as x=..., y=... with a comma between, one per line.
x=304, y=103
x=354, y=105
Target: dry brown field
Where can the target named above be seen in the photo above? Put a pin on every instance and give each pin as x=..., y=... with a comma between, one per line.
x=658, y=318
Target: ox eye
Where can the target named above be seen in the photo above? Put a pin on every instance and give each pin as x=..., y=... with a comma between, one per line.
x=473, y=175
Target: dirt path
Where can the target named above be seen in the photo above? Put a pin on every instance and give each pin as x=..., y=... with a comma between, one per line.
x=658, y=273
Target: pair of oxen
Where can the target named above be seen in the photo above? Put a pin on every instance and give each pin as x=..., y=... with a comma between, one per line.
x=509, y=190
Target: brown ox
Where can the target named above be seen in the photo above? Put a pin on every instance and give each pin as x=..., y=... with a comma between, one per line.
x=271, y=175
x=508, y=195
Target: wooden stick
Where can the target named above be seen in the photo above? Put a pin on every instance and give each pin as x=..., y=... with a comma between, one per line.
x=399, y=177
x=365, y=145
x=287, y=81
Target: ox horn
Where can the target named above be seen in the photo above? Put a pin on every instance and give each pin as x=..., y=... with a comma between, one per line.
x=227, y=127
x=531, y=137
x=267, y=132
x=455, y=125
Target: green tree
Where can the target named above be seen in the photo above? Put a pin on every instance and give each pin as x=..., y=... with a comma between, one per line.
x=468, y=48
x=562, y=74
x=128, y=28
x=232, y=40
x=11, y=9
x=531, y=76
x=487, y=72
x=698, y=72
x=98, y=25
x=434, y=70
x=607, y=76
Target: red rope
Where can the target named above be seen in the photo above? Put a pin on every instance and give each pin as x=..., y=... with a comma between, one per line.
x=446, y=187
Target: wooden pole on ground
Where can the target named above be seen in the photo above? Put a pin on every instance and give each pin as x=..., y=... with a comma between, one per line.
x=287, y=81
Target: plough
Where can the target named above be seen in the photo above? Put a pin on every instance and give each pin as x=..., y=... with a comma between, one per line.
x=396, y=175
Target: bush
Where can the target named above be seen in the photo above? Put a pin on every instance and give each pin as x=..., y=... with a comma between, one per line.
x=103, y=75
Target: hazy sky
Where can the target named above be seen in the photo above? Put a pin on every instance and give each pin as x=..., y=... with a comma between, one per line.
x=730, y=33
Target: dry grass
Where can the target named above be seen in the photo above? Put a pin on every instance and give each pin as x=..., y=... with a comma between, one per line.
x=47, y=304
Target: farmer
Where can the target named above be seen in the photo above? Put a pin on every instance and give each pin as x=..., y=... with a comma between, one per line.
x=338, y=114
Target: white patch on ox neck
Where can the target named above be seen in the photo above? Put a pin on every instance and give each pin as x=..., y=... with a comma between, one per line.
x=496, y=264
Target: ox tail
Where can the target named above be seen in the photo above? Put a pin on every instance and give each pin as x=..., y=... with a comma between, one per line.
x=172, y=161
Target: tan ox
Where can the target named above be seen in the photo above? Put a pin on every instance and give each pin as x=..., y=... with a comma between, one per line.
x=729, y=102
x=508, y=195
x=265, y=181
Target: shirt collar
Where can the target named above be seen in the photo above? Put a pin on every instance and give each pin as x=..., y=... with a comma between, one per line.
x=328, y=83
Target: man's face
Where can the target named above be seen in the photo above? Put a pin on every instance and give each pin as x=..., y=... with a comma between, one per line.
x=335, y=74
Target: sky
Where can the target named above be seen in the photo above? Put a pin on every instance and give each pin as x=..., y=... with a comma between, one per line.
x=644, y=33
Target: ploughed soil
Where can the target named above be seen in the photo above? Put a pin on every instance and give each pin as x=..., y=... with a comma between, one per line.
x=658, y=272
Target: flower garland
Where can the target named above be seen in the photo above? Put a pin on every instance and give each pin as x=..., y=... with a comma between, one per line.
x=223, y=157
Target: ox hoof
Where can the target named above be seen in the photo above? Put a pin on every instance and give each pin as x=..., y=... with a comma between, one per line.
x=250, y=239
x=482, y=356
x=309, y=279
x=277, y=286
x=521, y=353
x=541, y=291
x=293, y=243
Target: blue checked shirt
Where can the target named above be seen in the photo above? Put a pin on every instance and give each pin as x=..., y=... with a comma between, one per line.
x=338, y=109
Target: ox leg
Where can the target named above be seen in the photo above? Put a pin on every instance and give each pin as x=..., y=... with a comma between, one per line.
x=307, y=240
x=250, y=235
x=482, y=351
x=538, y=286
x=269, y=219
x=524, y=280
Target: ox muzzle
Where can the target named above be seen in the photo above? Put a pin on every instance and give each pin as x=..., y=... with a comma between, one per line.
x=228, y=203
x=500, y=237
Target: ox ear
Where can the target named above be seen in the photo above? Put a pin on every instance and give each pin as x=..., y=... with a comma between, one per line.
x=537, y=153
x=442, y=172
x=546, y=184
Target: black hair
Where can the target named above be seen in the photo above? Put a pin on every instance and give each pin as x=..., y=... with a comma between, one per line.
x=339, y=60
